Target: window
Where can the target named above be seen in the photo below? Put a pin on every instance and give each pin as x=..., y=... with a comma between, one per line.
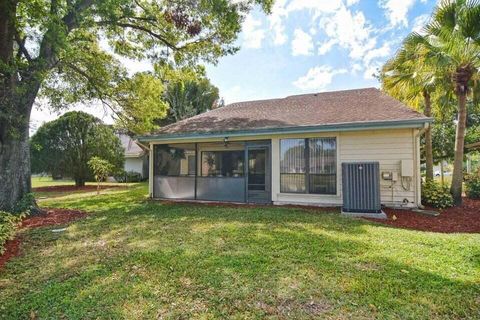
x=292, y=165
x=322, y=166
x=308, y=165
x=192, y=162
x=174, y=160
x=223, y=163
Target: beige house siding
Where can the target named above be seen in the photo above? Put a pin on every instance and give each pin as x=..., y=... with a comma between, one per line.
x=387, y=146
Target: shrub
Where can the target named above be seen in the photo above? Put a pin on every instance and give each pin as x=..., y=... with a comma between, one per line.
x=130, y=176
x=26, y=205
x=472, y=186
x=120, y=176
x=8, y=224
x=436, y=195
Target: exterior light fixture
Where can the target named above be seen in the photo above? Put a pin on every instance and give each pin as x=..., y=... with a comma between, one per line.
x=225, y=141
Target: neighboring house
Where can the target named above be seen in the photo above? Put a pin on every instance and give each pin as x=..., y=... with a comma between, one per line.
x=291, y=150
x=136, y=158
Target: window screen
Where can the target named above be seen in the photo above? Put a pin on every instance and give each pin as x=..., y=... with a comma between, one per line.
x=292, y=165
x=308, y=165
x=174, y=160
x=223, y=163
x=322, y=166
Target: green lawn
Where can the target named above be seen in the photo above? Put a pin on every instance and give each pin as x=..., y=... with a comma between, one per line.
x=47, y=181
x=137, y=259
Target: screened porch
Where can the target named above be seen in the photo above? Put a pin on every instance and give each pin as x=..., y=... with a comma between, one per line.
x=220, y=171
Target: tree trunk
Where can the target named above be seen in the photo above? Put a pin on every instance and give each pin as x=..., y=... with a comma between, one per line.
x=79, y=182
x=14, y=169
x=441, y=172
x=457, y=177
x=428, y=139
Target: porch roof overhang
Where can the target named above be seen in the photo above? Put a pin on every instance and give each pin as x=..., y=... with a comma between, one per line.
x=336, y=127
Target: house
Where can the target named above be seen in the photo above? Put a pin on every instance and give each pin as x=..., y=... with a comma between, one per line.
x=136, y=158
x=290, y=150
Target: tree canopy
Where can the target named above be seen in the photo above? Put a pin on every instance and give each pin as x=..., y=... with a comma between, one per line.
x=446, y=50
x=70, y=51
x=64, y=146
x=188, y=92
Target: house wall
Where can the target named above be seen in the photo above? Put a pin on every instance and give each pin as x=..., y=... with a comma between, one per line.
x=387, y=146
x=134, y=164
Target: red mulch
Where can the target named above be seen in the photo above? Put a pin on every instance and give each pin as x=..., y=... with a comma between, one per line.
x=49, y=218
x=72, y=188
x=12, y=249
x=465, y=219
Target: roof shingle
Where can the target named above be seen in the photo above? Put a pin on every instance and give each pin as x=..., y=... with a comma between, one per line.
x=327, y=108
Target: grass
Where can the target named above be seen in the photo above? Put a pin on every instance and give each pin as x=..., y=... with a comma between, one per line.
x=135, y=259
x=47, y=181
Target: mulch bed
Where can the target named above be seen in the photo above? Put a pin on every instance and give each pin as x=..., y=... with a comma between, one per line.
x=465, y=219
x=67, y=188
x=51, y=217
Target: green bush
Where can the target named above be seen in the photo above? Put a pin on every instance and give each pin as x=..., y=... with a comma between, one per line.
x=436, y=195
x=130, y=176
x=8, y=225
x=26, y=205
x=472, y=186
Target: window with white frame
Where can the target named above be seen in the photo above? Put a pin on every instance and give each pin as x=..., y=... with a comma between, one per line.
x=308, y=165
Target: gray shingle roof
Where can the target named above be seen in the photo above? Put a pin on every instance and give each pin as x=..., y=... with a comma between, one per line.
x=327, y=108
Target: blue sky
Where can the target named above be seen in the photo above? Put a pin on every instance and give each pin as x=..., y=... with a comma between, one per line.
x=303, y=46
x=313, y=46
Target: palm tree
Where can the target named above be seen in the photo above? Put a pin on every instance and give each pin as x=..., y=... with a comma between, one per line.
x=409, y=77
x=452, y=43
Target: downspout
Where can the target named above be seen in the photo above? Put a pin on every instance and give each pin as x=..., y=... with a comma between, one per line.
x=418, y=193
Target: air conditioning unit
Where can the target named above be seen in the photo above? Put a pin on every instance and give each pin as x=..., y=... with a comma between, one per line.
x=361, y=189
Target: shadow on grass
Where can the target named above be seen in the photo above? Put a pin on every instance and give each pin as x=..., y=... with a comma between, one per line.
x=139, y=259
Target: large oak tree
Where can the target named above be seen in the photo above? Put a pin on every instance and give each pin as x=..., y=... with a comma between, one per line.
x=60, y=48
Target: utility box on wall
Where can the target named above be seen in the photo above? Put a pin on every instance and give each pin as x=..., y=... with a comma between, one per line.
x=406, y=167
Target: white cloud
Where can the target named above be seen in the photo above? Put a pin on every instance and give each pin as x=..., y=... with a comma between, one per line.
x=253, y=35
x=350, y=30
x=326, y=46
x=317, y=8
x=302, y=43
x=370, y=71
x=357, y=67
x=318, y=78
x=277, y=26
x=419, y=22
x=383, y=51
x=397, y=11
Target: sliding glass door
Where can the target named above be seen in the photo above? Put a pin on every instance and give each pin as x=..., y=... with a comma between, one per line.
x=258, y=173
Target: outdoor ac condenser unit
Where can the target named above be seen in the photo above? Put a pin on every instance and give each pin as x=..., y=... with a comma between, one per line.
x=361, y=187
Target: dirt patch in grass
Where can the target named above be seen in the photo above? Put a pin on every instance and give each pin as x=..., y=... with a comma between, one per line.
x=67, y=188
x=285, y=307
x=51, y=217
x=464, y=218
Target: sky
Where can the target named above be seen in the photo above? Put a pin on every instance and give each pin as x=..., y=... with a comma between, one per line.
x=305, y=46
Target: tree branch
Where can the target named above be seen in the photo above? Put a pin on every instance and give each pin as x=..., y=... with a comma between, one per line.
x=21, y=46
x=140, y=28
x=101, y=96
